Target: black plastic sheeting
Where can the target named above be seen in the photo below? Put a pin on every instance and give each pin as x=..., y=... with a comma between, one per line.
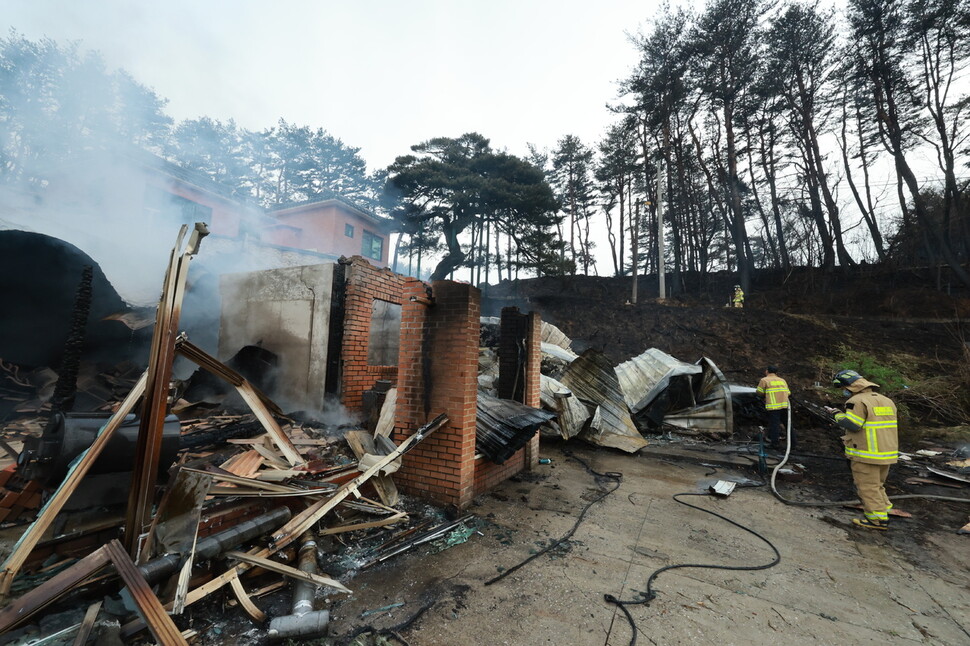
x=505, y=426
x=39, y=276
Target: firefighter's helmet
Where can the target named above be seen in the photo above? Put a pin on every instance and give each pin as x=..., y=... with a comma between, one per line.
x=845, y=377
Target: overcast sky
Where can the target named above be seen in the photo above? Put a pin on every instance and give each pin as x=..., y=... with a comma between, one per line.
x=381, y=75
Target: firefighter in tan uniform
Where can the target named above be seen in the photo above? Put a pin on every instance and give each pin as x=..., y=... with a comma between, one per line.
x=738, y=297
x=775, y=391
x=871, y=444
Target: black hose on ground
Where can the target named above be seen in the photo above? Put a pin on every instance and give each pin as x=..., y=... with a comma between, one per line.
x=649, y=595
x=613, y=476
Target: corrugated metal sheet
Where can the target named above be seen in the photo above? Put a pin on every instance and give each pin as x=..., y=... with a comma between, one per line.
x=593, y=380
x=644, y=377
x=713, y=413
x=551, y=334
x=504, y=426
x=571, y=413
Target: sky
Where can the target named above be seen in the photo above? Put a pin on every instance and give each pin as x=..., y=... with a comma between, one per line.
x=381, y=75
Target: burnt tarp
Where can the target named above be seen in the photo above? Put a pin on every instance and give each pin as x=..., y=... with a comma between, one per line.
x=505, y=426
x=647, y=375
x=571, y=414
x=593, y=380
x=696, y=404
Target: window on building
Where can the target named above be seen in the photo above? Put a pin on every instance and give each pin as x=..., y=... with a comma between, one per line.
x=385, y=333
x=373, y=246
x=349, y=230
x=166, y=207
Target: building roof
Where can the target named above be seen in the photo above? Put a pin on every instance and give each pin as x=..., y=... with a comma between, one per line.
x=291, y=208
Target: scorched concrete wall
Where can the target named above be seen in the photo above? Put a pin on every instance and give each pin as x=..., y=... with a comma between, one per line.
x=286, y=311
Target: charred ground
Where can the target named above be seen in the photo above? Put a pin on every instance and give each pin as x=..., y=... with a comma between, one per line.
x=807, y=323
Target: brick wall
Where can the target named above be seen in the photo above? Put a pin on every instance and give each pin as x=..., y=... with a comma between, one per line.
x=439, y=374
x=364, y=283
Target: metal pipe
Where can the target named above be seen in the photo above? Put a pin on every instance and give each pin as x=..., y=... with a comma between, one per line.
x=303, y=590
x=212, y=546
x=304, y=621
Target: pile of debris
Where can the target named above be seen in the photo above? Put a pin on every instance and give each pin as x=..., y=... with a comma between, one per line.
x=218, y=500
x=247, y=497
x=615, y=406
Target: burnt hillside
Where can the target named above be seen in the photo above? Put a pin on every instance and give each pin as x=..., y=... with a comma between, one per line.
x=897, y=322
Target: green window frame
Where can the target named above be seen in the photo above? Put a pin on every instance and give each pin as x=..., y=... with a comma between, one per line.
x=372, y=245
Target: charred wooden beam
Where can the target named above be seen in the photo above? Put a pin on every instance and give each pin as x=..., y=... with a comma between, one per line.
x=157, y=387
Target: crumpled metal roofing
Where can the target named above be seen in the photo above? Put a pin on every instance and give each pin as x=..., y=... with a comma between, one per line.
x=645, y=376
x=551, y=334
x=571, y=414
x=713, y=411
x=562, y=354
x=592, y=378
x=504, y=426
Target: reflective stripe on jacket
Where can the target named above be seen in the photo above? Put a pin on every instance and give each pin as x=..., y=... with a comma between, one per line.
x=775, y=391
x=870, y=419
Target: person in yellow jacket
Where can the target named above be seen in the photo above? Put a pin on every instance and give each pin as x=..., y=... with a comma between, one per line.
x=775, y=391
x=871, y=444
x=738, y=297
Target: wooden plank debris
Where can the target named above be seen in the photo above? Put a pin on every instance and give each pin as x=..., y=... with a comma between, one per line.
x=362, y=443
x=22, y=609
x=271, y=458
x=310, y=516
x=259, y=403
x=390, y=520
x=385, y=423
x=87, y=624
x=287, y=571
x=245, y=602
x=245, y=465
x=150, y=608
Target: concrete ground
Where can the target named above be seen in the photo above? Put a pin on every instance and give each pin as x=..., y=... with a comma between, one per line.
x=834, y=585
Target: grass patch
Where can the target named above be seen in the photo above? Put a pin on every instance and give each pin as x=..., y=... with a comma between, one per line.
x=890, y=372
x=938, y=399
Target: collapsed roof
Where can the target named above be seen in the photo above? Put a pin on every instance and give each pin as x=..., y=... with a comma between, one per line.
x=612, y=406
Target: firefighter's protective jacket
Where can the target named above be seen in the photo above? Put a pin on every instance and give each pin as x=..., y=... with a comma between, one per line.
x=738, y=297
x=775, y=391
x=870, y=422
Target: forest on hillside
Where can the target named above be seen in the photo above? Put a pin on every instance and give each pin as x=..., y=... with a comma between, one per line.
x=760, y=135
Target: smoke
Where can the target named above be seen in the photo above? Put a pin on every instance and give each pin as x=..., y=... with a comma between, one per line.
x=79, y=161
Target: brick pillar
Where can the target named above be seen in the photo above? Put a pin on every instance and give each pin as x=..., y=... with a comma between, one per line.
x=438, y=373
x=530, y=396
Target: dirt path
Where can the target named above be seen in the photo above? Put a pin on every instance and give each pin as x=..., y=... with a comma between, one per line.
x=834, y=585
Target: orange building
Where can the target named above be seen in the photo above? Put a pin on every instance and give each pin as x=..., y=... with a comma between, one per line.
x=332, y=226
